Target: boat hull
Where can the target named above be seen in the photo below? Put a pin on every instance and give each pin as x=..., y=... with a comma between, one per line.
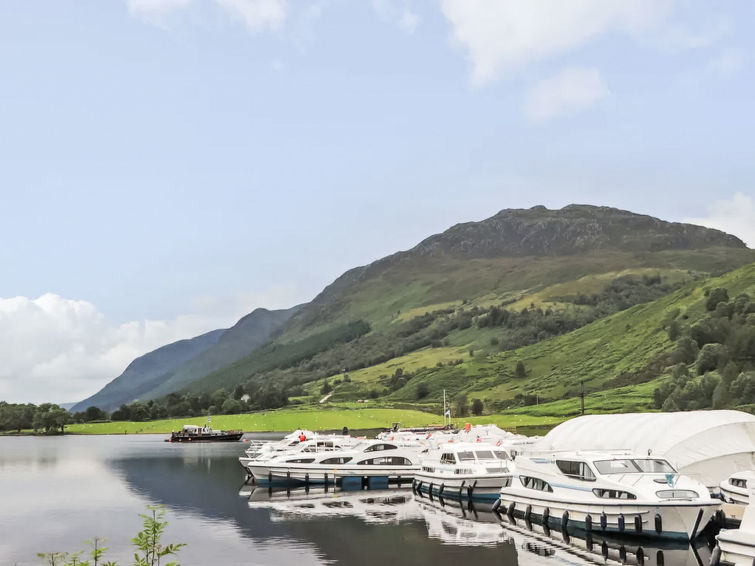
x=292, y=475
x=678, y=520
x=737, y=547
x=230, y=436
x=484, y=488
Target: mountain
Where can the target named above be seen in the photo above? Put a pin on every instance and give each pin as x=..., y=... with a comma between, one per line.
x=435, y=302
x=175, y=365
x=147, y=371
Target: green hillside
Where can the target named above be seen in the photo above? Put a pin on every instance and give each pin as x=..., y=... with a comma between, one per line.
x=515, y=313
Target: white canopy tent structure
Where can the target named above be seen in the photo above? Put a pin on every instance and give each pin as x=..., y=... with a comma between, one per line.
x=707, y=445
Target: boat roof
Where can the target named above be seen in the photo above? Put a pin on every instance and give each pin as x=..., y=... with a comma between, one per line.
x=707, y=445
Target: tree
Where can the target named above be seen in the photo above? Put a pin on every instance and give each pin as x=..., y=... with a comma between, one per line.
x=686, y=350
x=670, y=405
x=94, y=414
x=326, y=388
x=460, y=405
x=711, y=355
x=718, y=295
x=422, y=390
x=477, y=407
x=521, y=371
x=231, y=407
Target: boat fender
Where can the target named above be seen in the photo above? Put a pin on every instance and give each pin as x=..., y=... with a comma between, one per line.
x=440, y=491
x=430, y=491
x=510, y=510
x=721, y=518
x=546, y=515
x=461, y=487
x=270, y=477
x=470, y=490
x=588, y=541
x=604, y=549
x=326, y=480
x=414, y=486
x=660, y=558
x=623, y=553
x=306, y=479
x=638, y=524
x=621, y=522
x=496, y=505
x=528, y=513
x=419, y=488
x=564, y=520
x=658, y=523
x=603, y=521
x=588, y=523
x=640, y=555
x=715, y=556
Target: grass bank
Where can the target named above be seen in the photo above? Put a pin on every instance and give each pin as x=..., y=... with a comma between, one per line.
x=286, y=420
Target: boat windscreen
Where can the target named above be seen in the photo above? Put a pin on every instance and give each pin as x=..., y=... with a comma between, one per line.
x=466, y=456
x=654, y=466
x=484, y=454
x=634, y=466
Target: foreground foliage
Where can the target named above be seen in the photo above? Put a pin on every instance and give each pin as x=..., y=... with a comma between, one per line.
x=148, y=542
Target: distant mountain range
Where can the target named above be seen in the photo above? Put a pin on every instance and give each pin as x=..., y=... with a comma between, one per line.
x=172, y=367
x=517, y=258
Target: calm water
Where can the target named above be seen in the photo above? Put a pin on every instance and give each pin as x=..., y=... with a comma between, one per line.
x=56, y=493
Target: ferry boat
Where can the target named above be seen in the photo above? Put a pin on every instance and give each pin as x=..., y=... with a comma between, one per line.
x=608, y=492
x=464, y=470
x=736, y=488
x=196, y=433
x=369, y=458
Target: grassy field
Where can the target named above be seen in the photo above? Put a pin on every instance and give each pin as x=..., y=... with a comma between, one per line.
x=323, y=419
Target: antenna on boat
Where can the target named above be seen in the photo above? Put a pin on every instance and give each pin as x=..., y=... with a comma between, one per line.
x=445, y=412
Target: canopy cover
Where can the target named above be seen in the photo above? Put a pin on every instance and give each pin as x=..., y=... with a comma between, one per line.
x=707, y=445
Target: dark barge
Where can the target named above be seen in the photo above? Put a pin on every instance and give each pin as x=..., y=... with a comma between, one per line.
x=195, y=433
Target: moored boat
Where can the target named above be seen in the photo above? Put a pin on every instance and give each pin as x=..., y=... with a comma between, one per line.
x=608, y=492
x=736, y=488
x=196, y=433
x=464, y=470
x=737, y=546
x=369, y=458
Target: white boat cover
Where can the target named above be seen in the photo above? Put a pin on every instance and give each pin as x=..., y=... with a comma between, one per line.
x=706, y=445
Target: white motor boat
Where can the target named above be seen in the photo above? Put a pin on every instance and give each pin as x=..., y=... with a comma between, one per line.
x=608, y=492
x=738, y=545
x=736, y=488
x=294, y=443
x=464, y=470
x=368, y=459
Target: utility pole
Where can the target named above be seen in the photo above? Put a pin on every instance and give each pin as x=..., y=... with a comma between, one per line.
x=582, y=395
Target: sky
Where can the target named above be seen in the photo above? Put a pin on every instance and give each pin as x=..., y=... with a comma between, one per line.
x=167, y=166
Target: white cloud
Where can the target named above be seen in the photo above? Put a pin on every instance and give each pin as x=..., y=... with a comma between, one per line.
x=257, y=15
x=63, y=350
x=60, y=350
x=501, y=36
x=734, y=216
x=566, y=92
x=397, y=12
x=155, y=11
x=679, y=36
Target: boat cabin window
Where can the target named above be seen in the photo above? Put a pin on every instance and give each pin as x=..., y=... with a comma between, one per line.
x=577, y=470
x=738, y=482
x=613, y=494
x=448, y=458
x=378, y=447
x=339, y=460
x=301, y=461
x=484, y=454
x=535, y=483
x=501, y=455
x=466, y=456
x=677, y=494
x=387, y=461
x=634, y=466
x=506, y=482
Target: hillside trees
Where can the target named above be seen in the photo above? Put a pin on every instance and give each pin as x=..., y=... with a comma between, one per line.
x=721, y=348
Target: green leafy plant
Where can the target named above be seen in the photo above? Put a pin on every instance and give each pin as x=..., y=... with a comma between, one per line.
x=148, y=540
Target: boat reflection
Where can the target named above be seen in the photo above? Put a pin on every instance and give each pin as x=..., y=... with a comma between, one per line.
x=598, y=548
x=371, y=506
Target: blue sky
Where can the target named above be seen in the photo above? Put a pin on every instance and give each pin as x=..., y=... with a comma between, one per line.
x=168, y=165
